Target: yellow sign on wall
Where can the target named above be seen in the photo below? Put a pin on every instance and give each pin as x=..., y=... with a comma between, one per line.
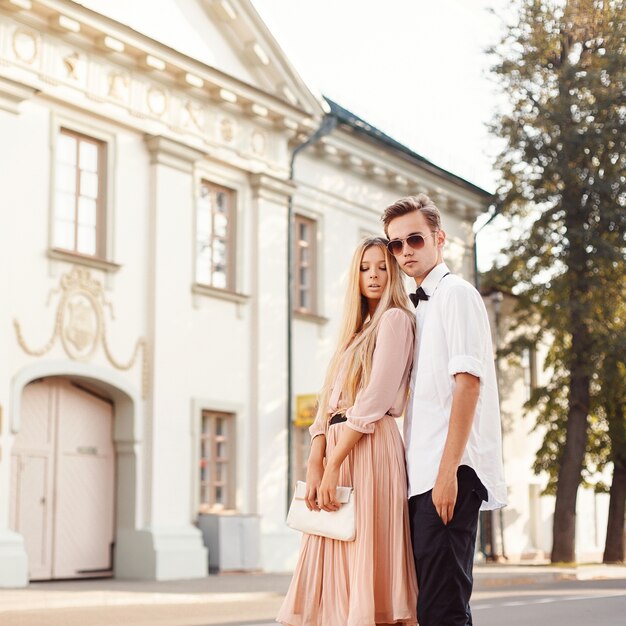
x=306, y=407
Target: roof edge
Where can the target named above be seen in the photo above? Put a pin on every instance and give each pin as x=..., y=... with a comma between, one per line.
x=363, y=127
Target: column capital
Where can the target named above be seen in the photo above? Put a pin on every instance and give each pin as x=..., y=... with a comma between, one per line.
x=165, y=151
x=12, y=94
x=272, y=188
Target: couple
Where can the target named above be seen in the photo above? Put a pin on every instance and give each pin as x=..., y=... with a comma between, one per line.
x=440, y=354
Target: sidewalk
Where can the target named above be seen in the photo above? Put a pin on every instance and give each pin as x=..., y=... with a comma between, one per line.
x=250, y=588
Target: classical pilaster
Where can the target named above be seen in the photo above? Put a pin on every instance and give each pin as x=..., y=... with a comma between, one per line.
x=168, y=546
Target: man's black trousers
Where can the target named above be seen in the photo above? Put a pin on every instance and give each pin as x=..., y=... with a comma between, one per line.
x=444, y=555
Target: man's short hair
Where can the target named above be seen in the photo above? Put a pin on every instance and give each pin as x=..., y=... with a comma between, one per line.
x=421, y=203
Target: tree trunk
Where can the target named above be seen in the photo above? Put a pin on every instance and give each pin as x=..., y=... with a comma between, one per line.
x=564, y=526
x=614, y=546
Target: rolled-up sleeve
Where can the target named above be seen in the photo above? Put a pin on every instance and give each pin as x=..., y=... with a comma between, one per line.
x=466, y=327
x=393, y=351
x=318, y=427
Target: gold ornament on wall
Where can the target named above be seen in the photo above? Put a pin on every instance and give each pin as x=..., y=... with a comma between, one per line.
x=81, y=325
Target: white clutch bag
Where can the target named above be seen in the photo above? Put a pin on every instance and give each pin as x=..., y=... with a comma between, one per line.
x=338, y=524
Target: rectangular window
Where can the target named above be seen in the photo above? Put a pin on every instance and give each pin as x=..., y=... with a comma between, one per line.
x=79, y=202
x=217, y=462
x=304, y=256
x=214, y=237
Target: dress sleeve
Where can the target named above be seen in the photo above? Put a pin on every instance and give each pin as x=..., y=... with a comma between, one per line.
x=467, y=331
x=318, y=427
x=394, y=349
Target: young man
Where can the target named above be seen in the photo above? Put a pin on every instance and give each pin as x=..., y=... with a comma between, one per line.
x=452, y=423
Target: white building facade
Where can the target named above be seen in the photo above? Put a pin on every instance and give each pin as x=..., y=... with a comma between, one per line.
x=145, y=326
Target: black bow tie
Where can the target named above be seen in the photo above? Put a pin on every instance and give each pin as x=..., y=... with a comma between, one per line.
x=419, y=294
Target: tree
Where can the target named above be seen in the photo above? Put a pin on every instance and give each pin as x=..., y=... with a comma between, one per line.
x=562, y=186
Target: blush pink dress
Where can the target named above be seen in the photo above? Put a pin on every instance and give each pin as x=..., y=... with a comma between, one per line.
x=371, y=580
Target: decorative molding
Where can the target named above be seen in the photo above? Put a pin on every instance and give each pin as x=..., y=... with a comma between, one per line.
x=12, y=94
x=80, y=323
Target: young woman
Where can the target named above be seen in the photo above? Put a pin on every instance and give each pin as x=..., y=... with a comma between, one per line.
x=356, y=442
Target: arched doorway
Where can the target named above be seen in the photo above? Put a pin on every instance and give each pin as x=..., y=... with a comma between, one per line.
x=63, y=479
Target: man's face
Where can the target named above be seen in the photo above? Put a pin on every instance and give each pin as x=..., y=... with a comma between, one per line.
x=417, y=263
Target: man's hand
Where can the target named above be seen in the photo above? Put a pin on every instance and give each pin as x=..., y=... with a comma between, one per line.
x=464, y=401
x=326, y=494
x=444, y=496
x=314, y=473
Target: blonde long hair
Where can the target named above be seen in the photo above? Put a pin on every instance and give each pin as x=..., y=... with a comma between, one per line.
x=357, y=336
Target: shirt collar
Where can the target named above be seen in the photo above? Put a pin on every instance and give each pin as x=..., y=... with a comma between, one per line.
x=429, y=284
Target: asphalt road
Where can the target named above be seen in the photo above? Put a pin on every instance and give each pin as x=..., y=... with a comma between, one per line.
x=575, y=603
x=567, y=603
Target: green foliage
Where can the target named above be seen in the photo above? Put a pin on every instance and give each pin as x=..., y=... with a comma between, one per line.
x=563, y=189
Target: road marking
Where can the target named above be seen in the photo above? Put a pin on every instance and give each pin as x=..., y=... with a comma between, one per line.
x=476, y=607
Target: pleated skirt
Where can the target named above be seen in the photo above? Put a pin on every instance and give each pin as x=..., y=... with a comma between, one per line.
x=369, y=581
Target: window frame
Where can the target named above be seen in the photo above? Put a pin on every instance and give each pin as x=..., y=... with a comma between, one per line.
x=101, y=199
x=311, y=243
x=210, y=505
x=230, y=239
x=84, y=125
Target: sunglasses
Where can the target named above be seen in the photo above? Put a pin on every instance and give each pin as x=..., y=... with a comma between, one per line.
x=395, y=246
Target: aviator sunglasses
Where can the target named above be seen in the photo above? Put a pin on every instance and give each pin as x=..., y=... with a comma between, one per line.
x=395, y=246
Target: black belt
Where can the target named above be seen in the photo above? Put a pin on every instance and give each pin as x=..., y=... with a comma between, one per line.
x=337, y=419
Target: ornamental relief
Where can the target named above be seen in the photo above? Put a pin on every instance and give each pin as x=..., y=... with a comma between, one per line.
x=258, y=141
x=25, y=45
x=157, y=101
x=193, y=116
x=118, y=87
x=73, y=65
x=80, y=323
x=227, y=129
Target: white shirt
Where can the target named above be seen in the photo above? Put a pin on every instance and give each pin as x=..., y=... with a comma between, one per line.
x=452, y=336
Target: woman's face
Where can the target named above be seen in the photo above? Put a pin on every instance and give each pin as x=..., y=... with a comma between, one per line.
x=373, y=277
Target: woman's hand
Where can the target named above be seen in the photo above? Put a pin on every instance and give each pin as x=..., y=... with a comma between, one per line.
x=326, y=494
x=314, y=473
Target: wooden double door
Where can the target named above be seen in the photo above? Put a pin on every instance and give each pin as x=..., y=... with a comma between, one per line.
x=63, y=480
